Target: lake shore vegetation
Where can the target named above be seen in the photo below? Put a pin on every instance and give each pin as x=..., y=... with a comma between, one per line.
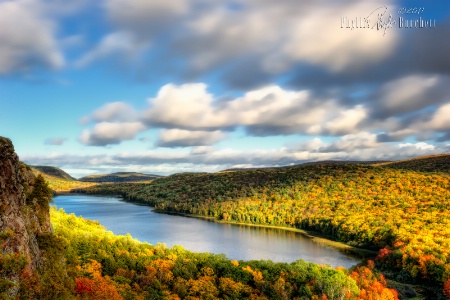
x=102, y=265
x=402, y=214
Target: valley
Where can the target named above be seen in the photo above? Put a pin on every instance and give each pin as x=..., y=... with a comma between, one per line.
x=397, y=216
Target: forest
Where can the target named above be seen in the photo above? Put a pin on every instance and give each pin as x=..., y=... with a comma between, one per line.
x=80, y=259
x=101, y=265
x=401, y=213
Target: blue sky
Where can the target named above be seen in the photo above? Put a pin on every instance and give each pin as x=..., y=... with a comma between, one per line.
x=195, y=85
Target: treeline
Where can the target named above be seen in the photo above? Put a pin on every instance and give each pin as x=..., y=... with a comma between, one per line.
x=434, y=163
x=101, y=265
x=403, y=213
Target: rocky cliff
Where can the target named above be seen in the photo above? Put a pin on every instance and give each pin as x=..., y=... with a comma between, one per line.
x=24, y=217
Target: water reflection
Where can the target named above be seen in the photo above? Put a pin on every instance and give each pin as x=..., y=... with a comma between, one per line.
x=235, y=241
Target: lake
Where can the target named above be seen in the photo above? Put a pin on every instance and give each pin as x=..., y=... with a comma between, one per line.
x=238, y=242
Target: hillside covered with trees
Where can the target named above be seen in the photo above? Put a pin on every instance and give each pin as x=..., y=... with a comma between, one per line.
x=402, y=213
x=435, y=163
x=59, y=181
x=119, y=177
x=102, y=265
x=67, y=257
x=53, y=171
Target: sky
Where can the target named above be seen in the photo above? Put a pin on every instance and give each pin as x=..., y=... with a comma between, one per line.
x=204, y=85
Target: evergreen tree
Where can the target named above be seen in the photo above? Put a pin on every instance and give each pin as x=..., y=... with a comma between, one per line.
x=41, y=191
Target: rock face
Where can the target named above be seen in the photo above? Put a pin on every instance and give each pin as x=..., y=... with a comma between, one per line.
x=22, y=219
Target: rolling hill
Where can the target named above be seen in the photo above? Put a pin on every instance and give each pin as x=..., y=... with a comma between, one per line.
x=313, y=163
x=61, y=182
x=58, y=180
x=48, y=254
x=434, y=163
x=120, y=177
x=54, y=172
x=398, y=208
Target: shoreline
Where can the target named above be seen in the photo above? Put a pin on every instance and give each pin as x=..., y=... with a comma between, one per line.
x=317, y=237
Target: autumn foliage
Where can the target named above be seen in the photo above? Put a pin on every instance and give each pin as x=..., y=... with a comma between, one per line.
x=372, y=286
x=447, y=289
x=105, y=266
x=402, y=213
x=96, y=287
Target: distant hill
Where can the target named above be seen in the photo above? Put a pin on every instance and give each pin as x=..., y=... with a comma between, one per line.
x=120, y=177
x=59, y=181
x=432, y=163
x=53, y=171
x=345, y=162
x=312, y=163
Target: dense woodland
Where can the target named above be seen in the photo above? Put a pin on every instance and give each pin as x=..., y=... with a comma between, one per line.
x=439, y=163
x=81, y=260
x=402, y=213
x=101, y=265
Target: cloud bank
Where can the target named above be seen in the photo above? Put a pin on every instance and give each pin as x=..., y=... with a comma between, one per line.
x=222, y=72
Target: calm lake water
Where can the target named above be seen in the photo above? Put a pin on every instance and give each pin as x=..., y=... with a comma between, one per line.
x=235, y=241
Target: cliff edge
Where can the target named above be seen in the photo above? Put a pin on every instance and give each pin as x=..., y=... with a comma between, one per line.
x=24, y=218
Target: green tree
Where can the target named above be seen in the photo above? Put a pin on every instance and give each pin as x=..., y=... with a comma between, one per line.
x=41, y=192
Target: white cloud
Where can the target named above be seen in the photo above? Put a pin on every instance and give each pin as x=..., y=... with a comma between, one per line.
x=312, y=145
x=421, y=146
x=121, y=44
x=361, y=140
x=27, y=38
x=413, y=92
x=441, y=119
x=424, y=127
x=114, y=111
x=269, y=110
x=274, y=106
x=280, y=34
x=347, y=144
x=185, y=106
x=106, y=133
x=317, y=37
x=202, y=150
x=218, y=159
x=347, y=121
x=283, y=33
x=191, y=116
x=186, y=138
x=118, y=111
